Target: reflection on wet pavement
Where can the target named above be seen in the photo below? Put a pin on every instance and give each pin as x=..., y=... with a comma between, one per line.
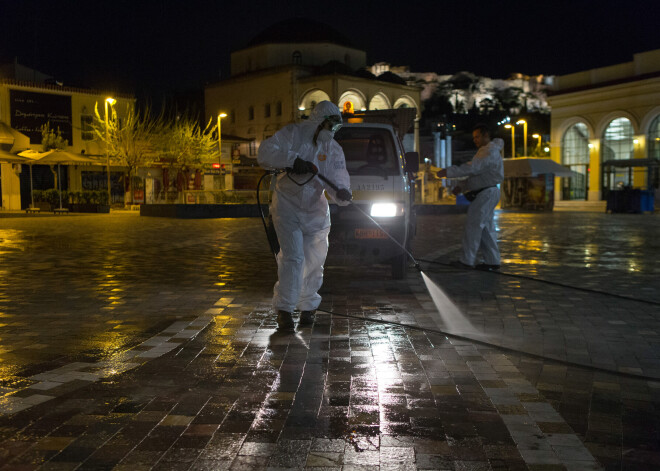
x=82, y=298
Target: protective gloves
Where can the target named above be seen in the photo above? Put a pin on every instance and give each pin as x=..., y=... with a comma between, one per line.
x=301, y=167
x=344, y=195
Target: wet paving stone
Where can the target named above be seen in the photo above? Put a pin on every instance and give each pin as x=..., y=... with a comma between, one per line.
x=211, y=385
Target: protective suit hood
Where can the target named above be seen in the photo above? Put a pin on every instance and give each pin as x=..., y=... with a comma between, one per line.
x=321, y=110
x=497, y=143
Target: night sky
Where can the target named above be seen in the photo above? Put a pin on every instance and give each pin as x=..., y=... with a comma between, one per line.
x=152, y=47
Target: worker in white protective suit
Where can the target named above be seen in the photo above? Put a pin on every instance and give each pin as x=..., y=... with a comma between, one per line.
x=481, y=176
x=300, y=211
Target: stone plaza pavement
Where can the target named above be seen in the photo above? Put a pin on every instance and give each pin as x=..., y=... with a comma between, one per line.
x=134, y=343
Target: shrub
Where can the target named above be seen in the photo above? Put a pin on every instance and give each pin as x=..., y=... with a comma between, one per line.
x=52, y=196
x=87, y=196
x=75, y=197
x=102, y=197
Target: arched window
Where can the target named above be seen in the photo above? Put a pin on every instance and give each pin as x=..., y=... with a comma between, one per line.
x=296, y=58
x=654, y=153
x=379, y=102
x=654, y=139
x=618, y=140
x=617, y=145
x=575, y=155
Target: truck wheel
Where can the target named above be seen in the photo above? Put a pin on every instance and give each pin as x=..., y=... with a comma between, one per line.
x=399, y=266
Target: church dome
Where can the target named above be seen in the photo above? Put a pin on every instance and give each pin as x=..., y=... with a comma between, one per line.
x=300, y=30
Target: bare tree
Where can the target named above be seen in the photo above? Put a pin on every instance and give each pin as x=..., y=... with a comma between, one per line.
x=130, y=140
x=184, y=146
x=51, y=140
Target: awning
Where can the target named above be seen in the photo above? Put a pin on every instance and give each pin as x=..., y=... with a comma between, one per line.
x=531, y=167
x=11, y=140
x=632, y=163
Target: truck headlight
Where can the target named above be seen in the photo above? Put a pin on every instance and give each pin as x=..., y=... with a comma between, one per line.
x=386, y=210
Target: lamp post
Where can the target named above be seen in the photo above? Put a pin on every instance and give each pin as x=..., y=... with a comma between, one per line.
x=513, y=139
x=220, y=116
x=538, y=143
x=108, y=101
x=524, y=123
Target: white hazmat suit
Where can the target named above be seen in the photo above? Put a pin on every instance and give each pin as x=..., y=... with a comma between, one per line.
x=301, y=215
x=484, y=172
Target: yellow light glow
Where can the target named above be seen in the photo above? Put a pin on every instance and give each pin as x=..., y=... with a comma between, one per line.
x=222, y=115
x=521, y=121
x=111, y=101
x=535, y=136
x=635, y=141
x=508, y=126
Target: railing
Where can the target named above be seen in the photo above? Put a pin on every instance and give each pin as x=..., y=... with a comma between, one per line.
x=209, y=197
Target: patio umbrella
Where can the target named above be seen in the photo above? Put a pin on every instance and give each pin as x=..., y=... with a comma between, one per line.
x=530, y=167
x=9, y=158
x=52, y=157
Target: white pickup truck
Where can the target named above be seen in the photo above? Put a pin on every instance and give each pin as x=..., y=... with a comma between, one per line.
x=382, y=185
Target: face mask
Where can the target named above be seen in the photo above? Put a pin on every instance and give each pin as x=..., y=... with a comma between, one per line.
x=325, y=135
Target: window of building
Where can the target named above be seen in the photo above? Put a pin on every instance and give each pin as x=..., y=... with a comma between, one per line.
x=654, y=153
x=654, y=139
x=251, y=113
x=232, y=116
x=618, y=140
x=575, y=145
x=575, y=154
x=87, y=134
x=296, y=58
x=617, y=144
x=267, y=110
x=278, y=108
x=252, y=148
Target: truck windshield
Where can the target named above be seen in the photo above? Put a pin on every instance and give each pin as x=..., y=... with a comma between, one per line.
x=368, y=151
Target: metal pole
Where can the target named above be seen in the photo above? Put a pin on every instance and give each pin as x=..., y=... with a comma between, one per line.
x=107, y=152
x=31, y=189
x=59, y=183
x=513, y=141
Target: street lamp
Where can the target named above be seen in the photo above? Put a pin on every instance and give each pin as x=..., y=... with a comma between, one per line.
x=522, y=121
x=220, y=116
x=108, y=101
x=538, y=143
x=513, y=139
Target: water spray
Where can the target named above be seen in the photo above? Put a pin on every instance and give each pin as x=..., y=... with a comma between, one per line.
x=451, y=315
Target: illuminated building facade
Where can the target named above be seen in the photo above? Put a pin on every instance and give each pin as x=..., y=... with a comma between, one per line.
x=602, y=118
x=284, y=71
x=25, y=106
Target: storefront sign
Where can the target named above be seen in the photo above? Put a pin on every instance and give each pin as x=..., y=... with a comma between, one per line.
x=30, y=111
x=138, y=196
